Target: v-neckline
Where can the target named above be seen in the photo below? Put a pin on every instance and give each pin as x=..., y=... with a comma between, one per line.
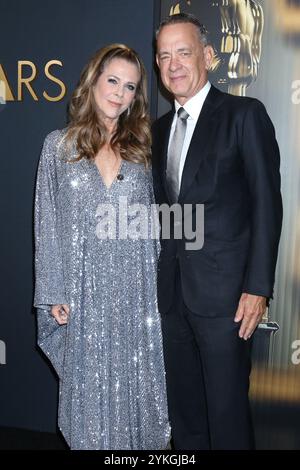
x=108, y=188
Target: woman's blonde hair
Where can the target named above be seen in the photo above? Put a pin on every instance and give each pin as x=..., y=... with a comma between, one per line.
x=132, y=137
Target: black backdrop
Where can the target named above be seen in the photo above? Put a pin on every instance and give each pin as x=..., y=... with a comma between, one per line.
x=66, y=31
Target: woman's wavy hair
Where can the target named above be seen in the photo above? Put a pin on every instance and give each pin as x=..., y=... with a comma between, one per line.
x=132, y=137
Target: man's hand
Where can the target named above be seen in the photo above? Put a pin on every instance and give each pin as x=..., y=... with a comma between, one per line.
x=60, y=313
x=250, y=310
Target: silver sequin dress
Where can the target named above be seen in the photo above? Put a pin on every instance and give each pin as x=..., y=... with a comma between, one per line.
x=109, y=356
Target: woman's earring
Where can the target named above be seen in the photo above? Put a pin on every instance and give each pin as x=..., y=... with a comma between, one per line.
x=128, y=111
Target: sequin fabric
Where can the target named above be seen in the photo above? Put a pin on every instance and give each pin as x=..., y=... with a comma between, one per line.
x=109, y=356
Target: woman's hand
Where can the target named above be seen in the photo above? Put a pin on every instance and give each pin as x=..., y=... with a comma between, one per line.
x=60, y=313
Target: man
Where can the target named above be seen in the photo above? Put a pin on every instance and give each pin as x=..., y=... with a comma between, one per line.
x=218, y=150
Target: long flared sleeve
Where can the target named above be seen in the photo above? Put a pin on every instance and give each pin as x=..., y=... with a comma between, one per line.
x=49, y=278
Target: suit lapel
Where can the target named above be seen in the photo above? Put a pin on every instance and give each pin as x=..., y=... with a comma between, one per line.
x=202, y=136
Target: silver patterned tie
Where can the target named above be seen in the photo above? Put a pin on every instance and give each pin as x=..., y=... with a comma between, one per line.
x=174, y=155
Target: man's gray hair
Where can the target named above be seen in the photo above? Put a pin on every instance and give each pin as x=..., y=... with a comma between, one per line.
x=185, y=18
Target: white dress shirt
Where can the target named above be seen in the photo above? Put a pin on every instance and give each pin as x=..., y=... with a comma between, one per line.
x=193, y=108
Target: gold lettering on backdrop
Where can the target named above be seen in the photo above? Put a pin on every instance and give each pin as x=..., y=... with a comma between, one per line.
x=26, y=81
x=8, y=96
x=6, y=93
x=54, y=79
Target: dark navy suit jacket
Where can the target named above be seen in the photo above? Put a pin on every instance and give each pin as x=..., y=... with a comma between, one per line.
x=232, y=167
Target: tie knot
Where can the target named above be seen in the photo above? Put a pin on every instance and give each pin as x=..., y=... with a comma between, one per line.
x=182, y=114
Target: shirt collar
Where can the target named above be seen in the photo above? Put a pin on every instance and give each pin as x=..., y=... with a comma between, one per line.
x=194, y=105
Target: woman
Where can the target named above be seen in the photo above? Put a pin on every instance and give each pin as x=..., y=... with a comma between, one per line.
x=95, y=288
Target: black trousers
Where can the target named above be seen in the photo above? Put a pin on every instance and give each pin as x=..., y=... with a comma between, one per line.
x=207, y=373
